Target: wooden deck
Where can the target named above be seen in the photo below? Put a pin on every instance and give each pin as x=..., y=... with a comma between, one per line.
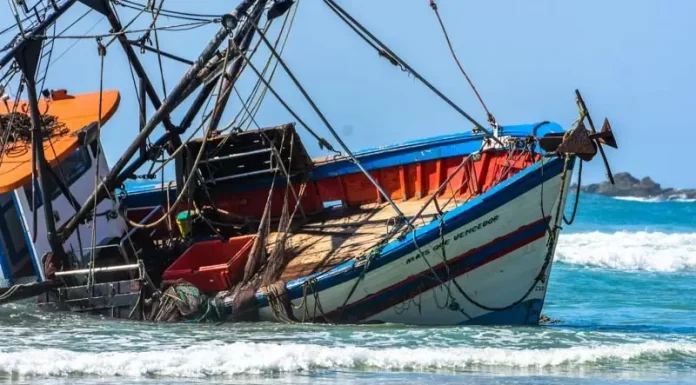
x=344, y=233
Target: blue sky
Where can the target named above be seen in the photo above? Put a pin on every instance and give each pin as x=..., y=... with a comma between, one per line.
x=633, y=60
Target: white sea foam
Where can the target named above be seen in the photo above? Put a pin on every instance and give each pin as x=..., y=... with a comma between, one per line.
x=647, y=251
x=671, y=198
x=261, y=358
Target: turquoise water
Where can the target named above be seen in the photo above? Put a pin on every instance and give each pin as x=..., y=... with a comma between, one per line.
x=623, y=287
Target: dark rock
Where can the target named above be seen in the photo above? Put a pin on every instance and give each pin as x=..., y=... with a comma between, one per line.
x=629, y=186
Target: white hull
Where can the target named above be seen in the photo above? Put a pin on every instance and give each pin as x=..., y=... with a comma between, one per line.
x=494, y=259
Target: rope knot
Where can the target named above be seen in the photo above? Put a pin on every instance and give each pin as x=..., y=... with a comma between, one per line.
x=389, y=57
x=101, y=48
x=324, y=144
x=491, y=120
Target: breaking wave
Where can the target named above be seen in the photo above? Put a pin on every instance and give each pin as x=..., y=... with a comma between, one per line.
x=671, y=198
x=212, y=360
x=641, y=251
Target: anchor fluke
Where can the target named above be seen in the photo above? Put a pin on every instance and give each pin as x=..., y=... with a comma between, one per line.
x=606, y=135
x=582, y=141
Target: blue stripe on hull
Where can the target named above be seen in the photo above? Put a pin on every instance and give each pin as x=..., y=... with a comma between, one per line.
x=418, y=151
x=415, y=285
x=525, y=313
x=421, y=150
x=478, y=207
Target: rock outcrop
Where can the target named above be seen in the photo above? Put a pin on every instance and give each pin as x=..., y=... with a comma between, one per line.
x=629, y=186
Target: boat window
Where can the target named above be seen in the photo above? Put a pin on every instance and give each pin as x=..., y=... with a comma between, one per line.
x=71, y=168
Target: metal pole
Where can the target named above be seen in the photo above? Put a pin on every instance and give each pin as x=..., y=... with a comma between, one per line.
x=27, y=58
x=143, y=114
x=160, y=52
x=332, y=4
x=323, y=118
x=185, y=123
x=97, y=270
x=139, y=70
x=196, y=106
x=233, y=69
x=54, y=240
x=110, y=181
x=209, y=86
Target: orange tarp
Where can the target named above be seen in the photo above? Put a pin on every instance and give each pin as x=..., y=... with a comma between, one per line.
x=75, y=112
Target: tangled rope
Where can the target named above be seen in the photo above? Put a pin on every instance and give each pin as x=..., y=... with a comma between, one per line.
x=279, y=301
x=180, y=301
x=16, y=130
x=19, y=127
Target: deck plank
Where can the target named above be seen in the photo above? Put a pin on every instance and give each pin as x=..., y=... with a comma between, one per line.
x=339, y=235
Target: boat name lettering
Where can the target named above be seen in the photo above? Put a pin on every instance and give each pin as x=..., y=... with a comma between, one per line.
x=477, y=227
x=457, y=236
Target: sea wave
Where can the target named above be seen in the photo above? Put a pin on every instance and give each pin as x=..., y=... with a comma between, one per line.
x=642, y=251
x=671, y=198
x=263, y=358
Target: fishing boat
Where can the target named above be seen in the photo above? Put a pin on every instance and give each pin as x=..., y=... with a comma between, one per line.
x=448, y=230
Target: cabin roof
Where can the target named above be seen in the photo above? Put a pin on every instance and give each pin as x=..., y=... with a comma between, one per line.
x=76, y=112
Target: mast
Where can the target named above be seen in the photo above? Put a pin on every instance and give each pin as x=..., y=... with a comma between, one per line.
x=26, y=54
x=116, y=177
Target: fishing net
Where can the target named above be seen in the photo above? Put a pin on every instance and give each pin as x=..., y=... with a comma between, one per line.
x=241, y=304
x=279, y=301
x=277, y=260
x=179, y=302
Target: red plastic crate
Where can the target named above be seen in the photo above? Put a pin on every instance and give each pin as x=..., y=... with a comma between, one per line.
x=212, y=265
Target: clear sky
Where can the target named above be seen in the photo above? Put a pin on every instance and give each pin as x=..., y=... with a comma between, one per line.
x=634, y=61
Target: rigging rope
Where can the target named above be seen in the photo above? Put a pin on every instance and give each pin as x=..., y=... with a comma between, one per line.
x=552, y=233
x=248, y=119
x=491, y=119
x=146, y=38
x=380, y=51
x=205, y=117
x=123, y=28
x=48, y=61
x=74, y=43
x=577, y=198
x=328, y=125
x=189, y=179
x=13, y=8
x=351, y=21
x=173, y=27
x=322, y=142
x=167, y=13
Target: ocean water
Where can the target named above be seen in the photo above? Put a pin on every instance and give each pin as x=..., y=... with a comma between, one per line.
x=623, y=289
